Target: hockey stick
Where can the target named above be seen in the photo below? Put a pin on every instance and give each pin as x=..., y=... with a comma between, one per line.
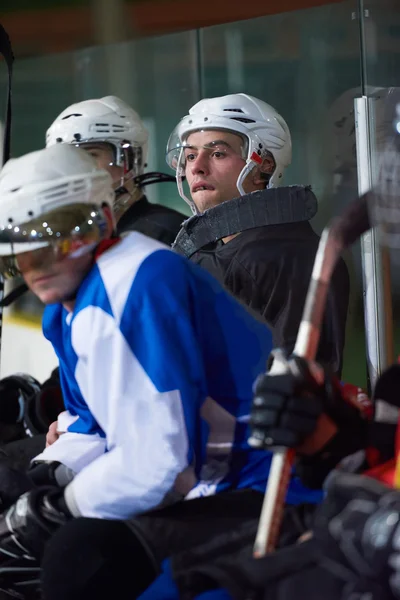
x=341, y=233
x=7, y=53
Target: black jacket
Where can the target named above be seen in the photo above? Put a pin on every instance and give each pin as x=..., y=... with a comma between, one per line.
x=154, y=220
x=269, y=269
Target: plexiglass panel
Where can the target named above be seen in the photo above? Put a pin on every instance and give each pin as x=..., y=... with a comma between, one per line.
x=381, y=74
x=305, y=63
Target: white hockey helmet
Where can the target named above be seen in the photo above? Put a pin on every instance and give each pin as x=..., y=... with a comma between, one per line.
x=258, y=122
x=110, y=121
x=52, y=197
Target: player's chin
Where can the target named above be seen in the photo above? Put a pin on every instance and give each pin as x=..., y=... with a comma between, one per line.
x=206, y=199
x=50, y=295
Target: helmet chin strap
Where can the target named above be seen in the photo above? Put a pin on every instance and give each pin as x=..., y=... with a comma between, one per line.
x=247, y=169
x=179, y=183
x=153, y=177
x=124, y=198
x=252, y=162
x=14, y=295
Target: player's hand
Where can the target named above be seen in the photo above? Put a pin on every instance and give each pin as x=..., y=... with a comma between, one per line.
x=28, y=524
x=307, y=408
x=53, y=434
x=358, y=528
x=286, y=407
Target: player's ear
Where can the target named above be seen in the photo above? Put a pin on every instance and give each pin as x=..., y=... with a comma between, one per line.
x=264, y=171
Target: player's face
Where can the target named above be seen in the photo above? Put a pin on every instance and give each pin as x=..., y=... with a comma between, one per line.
x=212, y=166
x=104, y=157
x=50, y=278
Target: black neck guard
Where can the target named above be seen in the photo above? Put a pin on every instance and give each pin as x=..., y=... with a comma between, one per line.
x=274, y=206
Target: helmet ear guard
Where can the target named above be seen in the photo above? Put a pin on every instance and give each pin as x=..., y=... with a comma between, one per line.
x=263, y=174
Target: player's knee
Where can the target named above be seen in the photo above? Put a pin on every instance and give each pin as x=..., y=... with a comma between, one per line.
x=92, y=558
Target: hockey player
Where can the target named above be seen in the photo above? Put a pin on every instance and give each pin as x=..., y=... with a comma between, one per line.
x=354, y=549
x=156, y=366
x=261, y=245
x=113, y=133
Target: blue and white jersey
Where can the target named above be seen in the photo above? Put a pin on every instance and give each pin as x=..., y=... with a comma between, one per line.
x=157, y=363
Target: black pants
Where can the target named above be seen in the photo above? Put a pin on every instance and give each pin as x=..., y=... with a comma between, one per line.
x=290, y=573
x=88, y=557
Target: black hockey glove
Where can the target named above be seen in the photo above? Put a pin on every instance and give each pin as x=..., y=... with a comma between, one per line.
x=286, y=408
x=358, y=529
x=387, y=387
x=27, y=406
x=52, y=474
x=28, y=524
x=15, y=392
x=290, y=410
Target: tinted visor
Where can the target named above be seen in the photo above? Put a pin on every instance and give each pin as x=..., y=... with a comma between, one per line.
x=66, y=232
